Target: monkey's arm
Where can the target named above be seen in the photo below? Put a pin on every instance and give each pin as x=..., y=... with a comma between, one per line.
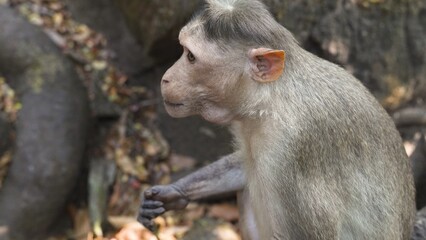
x=223, y=176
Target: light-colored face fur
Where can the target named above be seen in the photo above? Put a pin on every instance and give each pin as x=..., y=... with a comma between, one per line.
x=213, y=81
x=198, y=83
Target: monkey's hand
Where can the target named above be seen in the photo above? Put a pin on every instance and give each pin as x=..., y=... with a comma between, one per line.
x=159, y=199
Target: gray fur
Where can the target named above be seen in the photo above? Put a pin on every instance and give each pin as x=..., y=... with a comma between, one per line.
x=246, y=22
x=322, y=159
x=326, y=133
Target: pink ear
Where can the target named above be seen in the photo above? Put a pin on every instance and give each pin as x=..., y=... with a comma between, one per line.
x=267, y=65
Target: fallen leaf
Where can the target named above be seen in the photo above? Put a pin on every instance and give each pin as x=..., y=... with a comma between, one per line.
x=3, y=230
x=409, y=147
x=194, y=211
x=226, y=232
x=82, y=33
x=59, y=40
x=35, y=19
x=135, y=231
x=121, y=221
x=174, y=232
x=181, y=162
x=99, y=65
x=81, y=221
x=58, y=19
x=226, y=211
x=5, y=159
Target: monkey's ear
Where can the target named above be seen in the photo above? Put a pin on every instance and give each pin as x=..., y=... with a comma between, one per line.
x=266, y=65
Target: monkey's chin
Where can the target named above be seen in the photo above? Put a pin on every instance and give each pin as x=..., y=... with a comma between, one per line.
x=177, y=111
x=217, y=115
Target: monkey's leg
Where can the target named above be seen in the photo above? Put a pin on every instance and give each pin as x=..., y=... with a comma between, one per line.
x=247, y=222
x=223, y=176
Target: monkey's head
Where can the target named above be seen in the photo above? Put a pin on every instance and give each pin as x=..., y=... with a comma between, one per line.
x=227, y=57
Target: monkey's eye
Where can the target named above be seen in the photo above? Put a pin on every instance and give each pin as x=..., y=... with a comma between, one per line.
x=191, y=57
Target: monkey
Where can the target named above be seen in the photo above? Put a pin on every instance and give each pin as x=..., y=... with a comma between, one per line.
x=316, y=155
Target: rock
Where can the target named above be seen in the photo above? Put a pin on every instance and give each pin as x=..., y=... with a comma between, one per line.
x=51, y=129
x=156, y=24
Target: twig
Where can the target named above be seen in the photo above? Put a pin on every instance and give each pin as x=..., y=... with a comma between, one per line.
x=410, y=116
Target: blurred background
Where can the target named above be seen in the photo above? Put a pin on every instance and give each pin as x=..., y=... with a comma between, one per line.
x=82, y=127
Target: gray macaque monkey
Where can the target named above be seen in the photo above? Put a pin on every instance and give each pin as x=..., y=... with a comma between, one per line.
x=316, y=156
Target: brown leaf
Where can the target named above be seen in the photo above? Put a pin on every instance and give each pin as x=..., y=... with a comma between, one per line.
x=58, y=19
x=81, y=222
x=226, y=211
x=82, y=33
x=3, y=230
x=226, y=232
x=194, y=211
x=174, y=232
x=59, y=40
x=409, y=147
x=181, y=162
x=120, y=221
x=134, y=231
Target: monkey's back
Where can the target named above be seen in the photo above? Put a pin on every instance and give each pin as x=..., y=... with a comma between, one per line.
x=348, y=168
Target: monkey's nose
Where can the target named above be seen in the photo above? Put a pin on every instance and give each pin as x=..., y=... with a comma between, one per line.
x=164, y=81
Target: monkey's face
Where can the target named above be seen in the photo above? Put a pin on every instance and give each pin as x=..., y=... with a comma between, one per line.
x=214, y=82
x=201, y=81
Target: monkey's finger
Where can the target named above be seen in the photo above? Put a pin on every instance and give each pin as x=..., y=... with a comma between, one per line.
x=151, y=192
x=150, y=204
x=146, y=222
x=151, y=213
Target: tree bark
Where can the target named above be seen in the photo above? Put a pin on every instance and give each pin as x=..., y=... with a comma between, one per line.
x=410, y=116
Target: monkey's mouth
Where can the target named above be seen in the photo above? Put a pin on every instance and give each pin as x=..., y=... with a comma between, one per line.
x=170, y=104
